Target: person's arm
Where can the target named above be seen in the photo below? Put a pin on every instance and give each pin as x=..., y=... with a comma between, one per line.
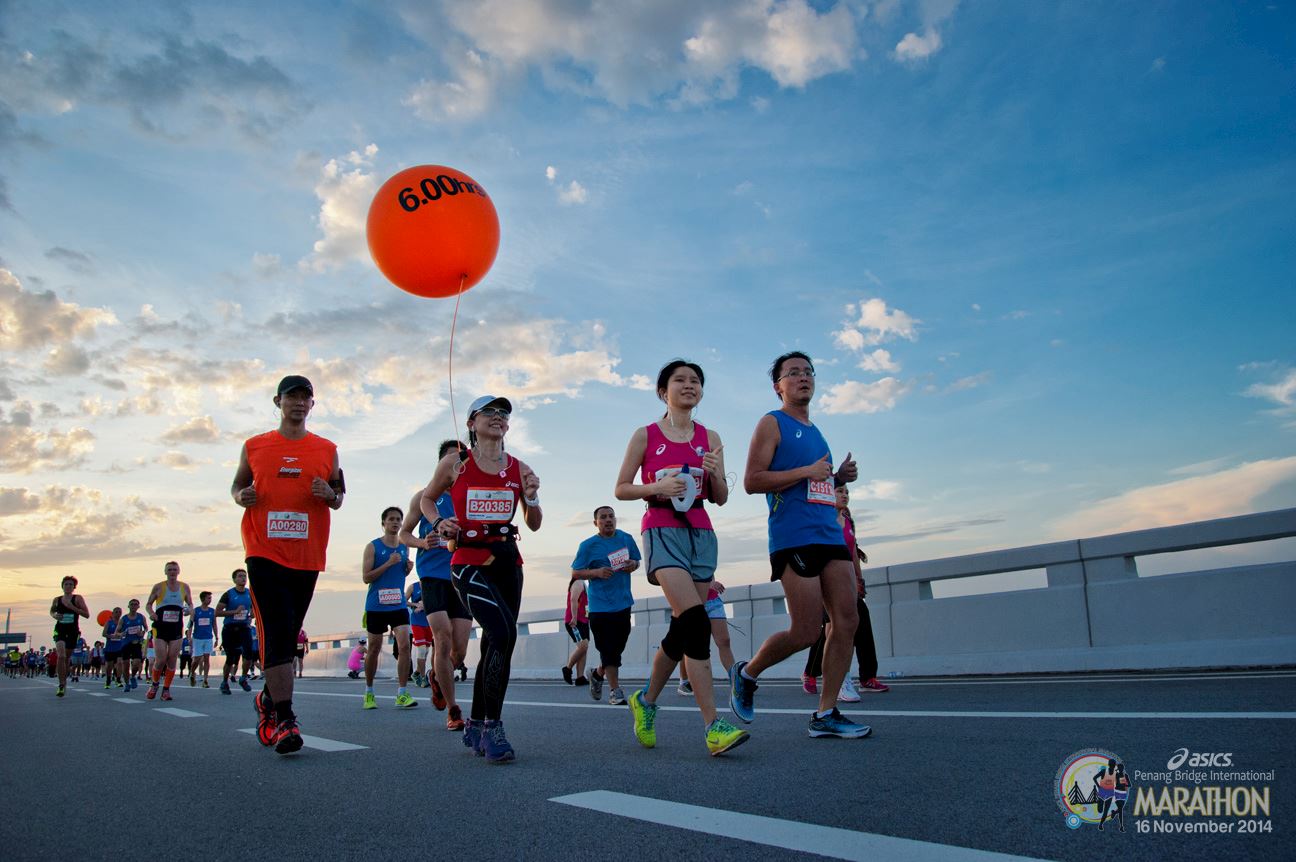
x=242, y=489
x=331, y=491
x=406, y=535
x=222, y=607
x=713, y=464
x=81, y=607
x=531, y=512
x=442, y=478
x=188, y=603
x=573, y=599
x=148, y=604
x=627, y=489
x=54, y=612
x=368, y=573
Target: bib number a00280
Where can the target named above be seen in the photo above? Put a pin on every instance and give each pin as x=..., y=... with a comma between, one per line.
x=287, y=525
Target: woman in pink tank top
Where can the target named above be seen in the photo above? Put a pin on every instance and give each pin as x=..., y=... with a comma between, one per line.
x=680, y=466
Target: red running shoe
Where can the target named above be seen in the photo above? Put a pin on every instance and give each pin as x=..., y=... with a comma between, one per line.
x=438, y=697
x=166, y=694
x=809, y=684
x=267, y=731
x=874, y=686
x=455, y=721
x=287, y=737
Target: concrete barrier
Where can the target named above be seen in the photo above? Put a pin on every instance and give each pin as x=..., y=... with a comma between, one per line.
x=1096, y=612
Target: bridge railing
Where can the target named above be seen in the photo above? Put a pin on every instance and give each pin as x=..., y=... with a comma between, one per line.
x=1094, y=613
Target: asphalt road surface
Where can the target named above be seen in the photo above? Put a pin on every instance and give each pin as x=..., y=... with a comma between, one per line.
x=955, y=769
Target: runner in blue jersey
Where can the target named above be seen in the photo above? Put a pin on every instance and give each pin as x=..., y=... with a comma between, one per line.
x=112, y=649
x=605, y=561
x=235, y=607
x=80, y=655
x=446, y=615
x=202, y=632
x=134, y=625
x=420, y=635
x=383, y=568
x=790, y=463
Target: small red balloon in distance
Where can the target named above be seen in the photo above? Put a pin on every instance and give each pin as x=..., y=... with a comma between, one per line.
x=104, y=617
x=433, y=231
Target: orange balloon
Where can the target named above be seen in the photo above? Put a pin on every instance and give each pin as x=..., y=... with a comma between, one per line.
x=433, y=231
x=104, y=617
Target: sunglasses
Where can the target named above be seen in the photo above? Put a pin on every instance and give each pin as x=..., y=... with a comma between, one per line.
x=492, y=412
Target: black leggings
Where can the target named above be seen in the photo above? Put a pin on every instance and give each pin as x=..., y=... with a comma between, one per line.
x=492, y=593
x=865, y=650
x=280, y=598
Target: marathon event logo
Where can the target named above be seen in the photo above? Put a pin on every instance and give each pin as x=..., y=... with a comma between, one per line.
x=1196, y=792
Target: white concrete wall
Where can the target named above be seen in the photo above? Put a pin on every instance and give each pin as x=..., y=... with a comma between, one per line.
x=1095, y=614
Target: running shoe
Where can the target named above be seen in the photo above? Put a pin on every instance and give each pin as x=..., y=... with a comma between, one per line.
x=205, y=685
x=616, y=697
x=566, y=673
x=192, y=682
x=267, y=730
x=107, y=683
x=438, y=696
x=579, y=681
x=403, y=701
x=59, y=693
x=721, y=736
x=369, y=701
x=472, y=736
x=166, y=694
x=243, y=683
x=454, y=720
x=685, y=688
x=287, y=737
x=874, y=685
x=152, y=692
x=848, y=694
x=741, y=691
x=596, y=685
x=809, y=684
x=417, y=679
x=645, y=717
x=224, y=687
x=493, y=744
x=838, y=725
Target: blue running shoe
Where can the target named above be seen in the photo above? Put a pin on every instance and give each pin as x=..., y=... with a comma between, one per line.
x=741, y=690
x=838, y=725
x=493, y=744
x=472, y=736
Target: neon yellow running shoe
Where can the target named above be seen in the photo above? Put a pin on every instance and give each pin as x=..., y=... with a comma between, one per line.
x=645, y=716
x=370, y=702
x=404, y=701
x=721, y=736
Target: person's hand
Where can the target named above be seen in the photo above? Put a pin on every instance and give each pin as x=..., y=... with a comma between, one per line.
x=246, y=497
x=819, y=471
x=849, y=470
x=603, y=573
x=711, y=462
x=530, y=485
x=672, y=486
x=448, y=528
x=409, y=565
x=321, y=490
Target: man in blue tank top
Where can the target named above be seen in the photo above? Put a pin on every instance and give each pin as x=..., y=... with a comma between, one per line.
x=133, y=627
x=202, y=630
x=790, y=463
x=383, y=569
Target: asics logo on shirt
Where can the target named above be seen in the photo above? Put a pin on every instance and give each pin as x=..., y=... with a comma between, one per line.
x=661, y=449
x=290, y=459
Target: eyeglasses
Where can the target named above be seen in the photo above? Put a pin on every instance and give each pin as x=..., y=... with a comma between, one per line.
x=492, y=412
x=800, y=372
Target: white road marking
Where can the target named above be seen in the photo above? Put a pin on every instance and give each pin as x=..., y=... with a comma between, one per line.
x=180, y=713
x=98, y=694
x=126, y=700
x=318, y=742
x=788, y=834
x=943, y=713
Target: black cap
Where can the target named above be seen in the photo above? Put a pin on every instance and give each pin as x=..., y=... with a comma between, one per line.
x=295, y=381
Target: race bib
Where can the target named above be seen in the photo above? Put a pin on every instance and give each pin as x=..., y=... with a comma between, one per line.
x=202, y=623
x=170, y=616
x=241, y=614
x=392, y=596
x=67, y=618
x=287, y=525
x=619, y=558
x=490, y=504
x=821, y=492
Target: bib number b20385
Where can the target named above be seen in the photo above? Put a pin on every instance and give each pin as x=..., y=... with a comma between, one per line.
x=490, y=504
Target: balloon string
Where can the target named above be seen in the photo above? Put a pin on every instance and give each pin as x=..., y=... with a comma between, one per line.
x=454, y=321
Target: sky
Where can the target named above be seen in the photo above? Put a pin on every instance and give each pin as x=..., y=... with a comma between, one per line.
x=1039, y=253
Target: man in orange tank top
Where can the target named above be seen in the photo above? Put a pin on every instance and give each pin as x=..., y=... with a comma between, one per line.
x=288, y=481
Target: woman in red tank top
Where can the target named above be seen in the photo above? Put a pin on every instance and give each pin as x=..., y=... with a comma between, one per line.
x=486, y=486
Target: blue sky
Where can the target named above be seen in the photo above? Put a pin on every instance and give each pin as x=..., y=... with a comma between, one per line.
x=1040, y=253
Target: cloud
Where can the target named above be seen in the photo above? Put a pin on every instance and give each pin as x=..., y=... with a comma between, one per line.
x=551, y=173
x=14, y=501
x=200, y=429
x=345, y=190
x=573, y=193
x=1224, y=493
x=971, y=382
x=29, y=320
x=73, y=260
x=873, y=324
x=66, y=360
x=875, y=489
x=24, y=449
x=1280, y=391
x=180, y=461
x=913, y=48
x=879, y=362
x=686, y=53
x=856, y=397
